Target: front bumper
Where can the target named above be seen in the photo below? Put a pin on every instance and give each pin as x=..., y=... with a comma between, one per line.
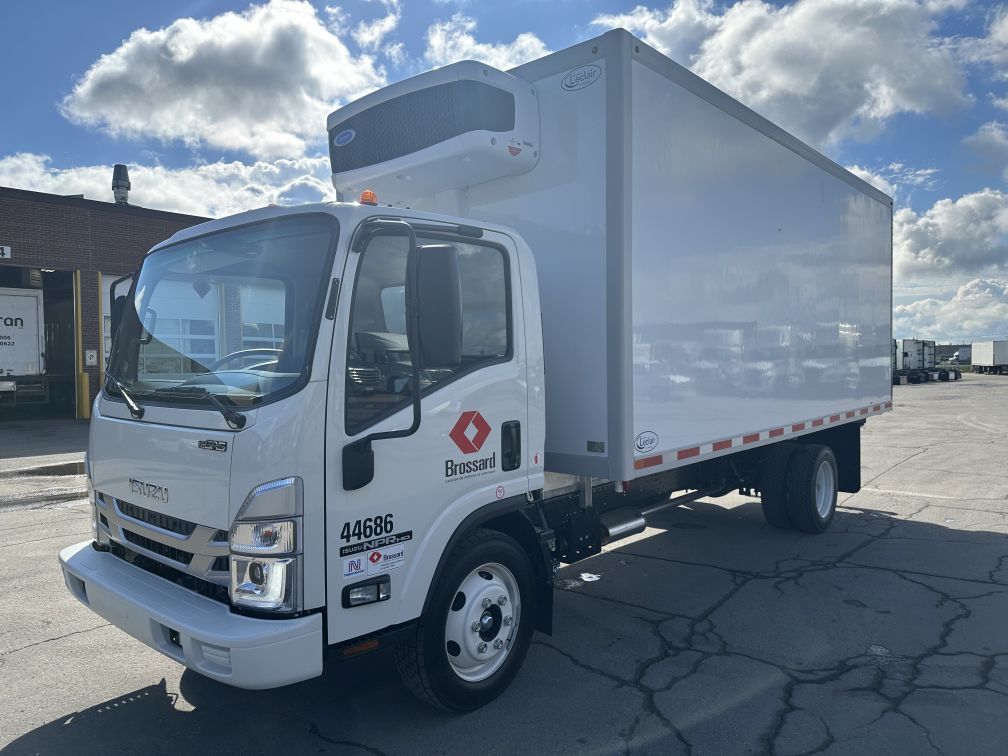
x=240, y=651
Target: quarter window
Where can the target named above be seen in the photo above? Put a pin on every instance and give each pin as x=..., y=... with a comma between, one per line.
x=379, y=368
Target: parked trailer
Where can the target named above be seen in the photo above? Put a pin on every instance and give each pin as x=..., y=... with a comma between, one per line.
x=599, y=282
x=915, y=360
x=990, y=357
x=23, y=377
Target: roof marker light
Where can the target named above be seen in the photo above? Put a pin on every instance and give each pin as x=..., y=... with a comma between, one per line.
x=368, y=197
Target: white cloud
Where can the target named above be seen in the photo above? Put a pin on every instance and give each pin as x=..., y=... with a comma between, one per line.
x=875, y=179
x=453, y=40
x=212, y=190
x=369, y=35
x=1000, y=102
x=991, y=143
x=824, y=69
x=897, y=180
x=261, y=81
x=977, y=310
x=992, y=48
x=968, y=235
x=678, y=31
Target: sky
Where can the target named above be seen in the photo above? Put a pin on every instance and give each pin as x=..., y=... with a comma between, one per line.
x=219, y=106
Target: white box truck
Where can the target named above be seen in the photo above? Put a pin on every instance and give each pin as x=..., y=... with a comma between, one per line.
x=22, y=348
x=990, y=357
x=596, y=287
x=915, y=359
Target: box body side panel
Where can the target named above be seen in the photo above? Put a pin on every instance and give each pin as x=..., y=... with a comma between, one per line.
x=560, y=210
x=761, y=282
x=21, y=332
x=990, y=353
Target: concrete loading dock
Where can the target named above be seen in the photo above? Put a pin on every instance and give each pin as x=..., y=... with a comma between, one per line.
x=884, y=635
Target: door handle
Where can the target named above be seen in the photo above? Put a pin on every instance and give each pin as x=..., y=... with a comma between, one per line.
x=510, y=445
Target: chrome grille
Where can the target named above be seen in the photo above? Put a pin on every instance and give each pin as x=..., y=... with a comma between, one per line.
x=158, y=520
x=176, y=555
x=197, y=550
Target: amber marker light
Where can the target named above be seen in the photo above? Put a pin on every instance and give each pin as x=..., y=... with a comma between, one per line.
x=367, y=197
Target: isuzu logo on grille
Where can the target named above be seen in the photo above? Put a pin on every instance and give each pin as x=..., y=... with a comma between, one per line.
x=149, y=490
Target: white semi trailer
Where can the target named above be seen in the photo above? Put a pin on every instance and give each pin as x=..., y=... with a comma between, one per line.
x=990, y=357
x=23, y=377
x=594, y=282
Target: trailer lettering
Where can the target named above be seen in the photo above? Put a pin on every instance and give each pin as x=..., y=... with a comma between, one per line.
x=10, y=322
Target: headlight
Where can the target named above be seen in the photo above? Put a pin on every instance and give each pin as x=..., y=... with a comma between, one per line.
x=271, y=537
x=266, y=584
x=265, y=548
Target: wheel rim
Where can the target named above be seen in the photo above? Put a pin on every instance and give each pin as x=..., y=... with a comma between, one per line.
x=825, y=488
x=482, y=622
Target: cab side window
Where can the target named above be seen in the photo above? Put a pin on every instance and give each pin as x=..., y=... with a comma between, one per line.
x=379, y=368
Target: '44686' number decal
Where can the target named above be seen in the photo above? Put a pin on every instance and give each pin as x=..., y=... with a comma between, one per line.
x=369, y=527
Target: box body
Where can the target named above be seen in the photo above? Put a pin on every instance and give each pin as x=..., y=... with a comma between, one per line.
x=915, y=354
x=990, y=353
x=21, y=332
x=706, y=280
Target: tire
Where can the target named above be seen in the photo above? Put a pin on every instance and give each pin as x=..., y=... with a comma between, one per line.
x=774, y=485
x=812, y=488
x=943, y=375
x=464, y=680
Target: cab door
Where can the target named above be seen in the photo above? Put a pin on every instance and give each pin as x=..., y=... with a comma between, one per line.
x=469, y=449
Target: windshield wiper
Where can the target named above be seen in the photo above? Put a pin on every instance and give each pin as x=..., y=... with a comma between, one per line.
x=234, y=419
x=135, y=409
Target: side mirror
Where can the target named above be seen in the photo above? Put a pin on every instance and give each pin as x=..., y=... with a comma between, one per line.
x=149, y=321
x=438, y=303
x=116, y=308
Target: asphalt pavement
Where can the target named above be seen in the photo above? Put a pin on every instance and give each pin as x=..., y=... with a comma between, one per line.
x=710, y=633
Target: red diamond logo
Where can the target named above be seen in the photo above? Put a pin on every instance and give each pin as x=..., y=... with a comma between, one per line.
x=374, y=557
x=470, y=432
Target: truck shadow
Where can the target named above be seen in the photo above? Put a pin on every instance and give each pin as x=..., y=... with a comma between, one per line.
x=702, y=630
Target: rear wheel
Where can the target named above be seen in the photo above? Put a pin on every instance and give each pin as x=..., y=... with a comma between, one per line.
x=473, y=639
x=773, y=485
x=812, y=488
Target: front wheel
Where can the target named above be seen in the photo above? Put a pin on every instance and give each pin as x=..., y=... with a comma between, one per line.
x=473, y=639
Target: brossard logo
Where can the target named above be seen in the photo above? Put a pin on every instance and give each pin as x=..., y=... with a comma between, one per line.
x=469, y=433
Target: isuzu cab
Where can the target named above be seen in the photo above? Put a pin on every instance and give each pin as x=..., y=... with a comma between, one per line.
x=569, y=296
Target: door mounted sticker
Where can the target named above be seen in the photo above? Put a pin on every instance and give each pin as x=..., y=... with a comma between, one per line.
x=469, y=434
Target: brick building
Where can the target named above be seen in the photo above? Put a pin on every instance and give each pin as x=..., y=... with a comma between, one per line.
x=73, y=248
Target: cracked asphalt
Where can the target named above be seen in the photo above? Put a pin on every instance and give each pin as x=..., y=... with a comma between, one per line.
x=710, y=633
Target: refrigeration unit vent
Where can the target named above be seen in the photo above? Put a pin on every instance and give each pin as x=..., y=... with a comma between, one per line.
x=454, y=127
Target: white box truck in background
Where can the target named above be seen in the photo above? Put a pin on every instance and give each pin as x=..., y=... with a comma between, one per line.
x=990, y=357
x=598, y=281
x=915, y=360
x=22, y=348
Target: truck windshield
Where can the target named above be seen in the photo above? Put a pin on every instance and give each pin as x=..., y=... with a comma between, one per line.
x=233, y=313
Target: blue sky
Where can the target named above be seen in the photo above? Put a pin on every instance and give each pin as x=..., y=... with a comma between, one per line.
x=220, y=106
